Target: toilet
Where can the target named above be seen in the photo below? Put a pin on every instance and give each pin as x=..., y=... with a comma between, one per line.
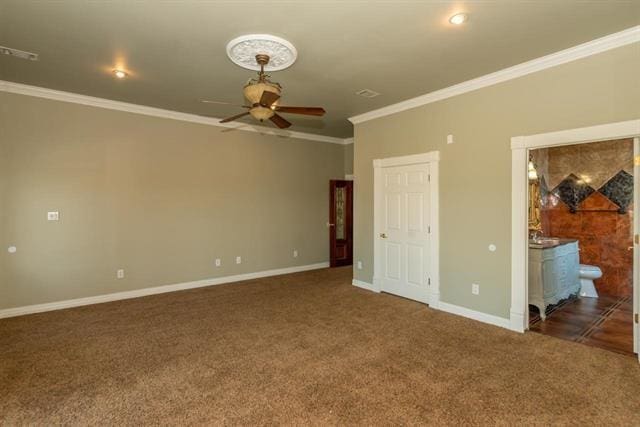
x=588, y=273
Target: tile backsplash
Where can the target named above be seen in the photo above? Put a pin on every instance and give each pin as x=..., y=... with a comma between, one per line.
x=574, y=172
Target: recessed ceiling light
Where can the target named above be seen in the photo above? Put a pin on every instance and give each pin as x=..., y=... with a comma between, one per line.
x=458, y=19
x=120, y=74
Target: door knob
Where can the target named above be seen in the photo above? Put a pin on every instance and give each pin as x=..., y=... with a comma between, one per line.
x=383, y=235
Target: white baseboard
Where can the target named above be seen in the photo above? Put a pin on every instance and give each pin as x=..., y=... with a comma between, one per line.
x=475, y=315
x=437, y=304
x=365, y=285
x=59, y=305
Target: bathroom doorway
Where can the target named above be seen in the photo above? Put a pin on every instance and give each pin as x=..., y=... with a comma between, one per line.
x=580, y=258
x=572, y=280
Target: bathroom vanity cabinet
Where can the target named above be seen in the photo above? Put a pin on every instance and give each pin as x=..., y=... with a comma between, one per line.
x=554, y=272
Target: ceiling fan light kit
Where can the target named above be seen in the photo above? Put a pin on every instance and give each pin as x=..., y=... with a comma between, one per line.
x=254, y=90
x=255, y=52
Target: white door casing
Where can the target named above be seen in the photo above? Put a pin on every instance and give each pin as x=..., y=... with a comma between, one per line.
x=636, y=246
x=406, y=227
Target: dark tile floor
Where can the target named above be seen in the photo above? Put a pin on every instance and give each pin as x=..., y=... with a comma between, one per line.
x=605, y=322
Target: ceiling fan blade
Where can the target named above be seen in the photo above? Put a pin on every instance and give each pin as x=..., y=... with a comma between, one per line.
x=232, y=118
x=309, y=111
x=268, y=98
x=280, y=121
x=206, y=101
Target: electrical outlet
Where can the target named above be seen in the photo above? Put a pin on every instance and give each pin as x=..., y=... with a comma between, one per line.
x=120, y=274
x=449, y=139
x=475, y=289
x=359, y=265
x=295, y=253
x=218, y=262
x=238, y=260
x=53, y=216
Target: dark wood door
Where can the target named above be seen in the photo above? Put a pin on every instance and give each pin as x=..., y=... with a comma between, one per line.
x=341, y=222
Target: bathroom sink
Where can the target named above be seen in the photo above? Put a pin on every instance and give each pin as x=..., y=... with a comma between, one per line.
x=547, y=240
x=541, y=242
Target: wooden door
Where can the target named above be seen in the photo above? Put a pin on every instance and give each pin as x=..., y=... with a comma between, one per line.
x=404, y=235
x=341, y=222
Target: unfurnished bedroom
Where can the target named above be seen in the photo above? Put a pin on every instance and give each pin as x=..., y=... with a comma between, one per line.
x=319, y=213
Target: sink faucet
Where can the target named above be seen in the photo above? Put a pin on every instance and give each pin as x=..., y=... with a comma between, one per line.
x=535, y=234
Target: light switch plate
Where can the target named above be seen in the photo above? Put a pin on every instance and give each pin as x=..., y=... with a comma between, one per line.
x=359, y=265
x=238, y=260
x=218, y=262
x=475, y=289
x=53, y=216
x=120, y=274
x=449, y=139
x=295, y=253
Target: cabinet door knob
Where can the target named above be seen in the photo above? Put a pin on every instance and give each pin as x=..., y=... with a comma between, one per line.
x=383, y=235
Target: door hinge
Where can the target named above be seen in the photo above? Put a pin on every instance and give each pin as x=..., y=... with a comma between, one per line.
x=636, y=239
x=429, y=229
x=636, y=316
x=429, y=282
x=429, y=178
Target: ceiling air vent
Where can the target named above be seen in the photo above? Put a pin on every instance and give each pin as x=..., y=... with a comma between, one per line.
x=18, y=53
x=367, y=93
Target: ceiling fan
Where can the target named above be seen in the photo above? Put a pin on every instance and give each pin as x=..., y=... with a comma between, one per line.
x=263, y=95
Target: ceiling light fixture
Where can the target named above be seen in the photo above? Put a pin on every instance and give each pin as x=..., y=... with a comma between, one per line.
x=531, y=170
x=120, y=74
x=458, y=18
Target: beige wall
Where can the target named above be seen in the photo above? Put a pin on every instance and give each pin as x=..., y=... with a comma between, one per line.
x=348, y=159
x=475, y=172
x=158, y=197
x=4, y=109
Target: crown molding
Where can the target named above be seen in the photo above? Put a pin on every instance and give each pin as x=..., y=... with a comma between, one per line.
x=75, y=98
x=612, y=41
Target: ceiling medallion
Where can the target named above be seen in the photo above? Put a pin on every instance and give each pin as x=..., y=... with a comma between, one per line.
x=243, y=50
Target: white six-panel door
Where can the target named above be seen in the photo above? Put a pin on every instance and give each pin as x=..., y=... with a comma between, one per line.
x=404, y=231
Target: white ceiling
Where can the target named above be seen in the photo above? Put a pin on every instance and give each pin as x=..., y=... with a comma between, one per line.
x=175, y=51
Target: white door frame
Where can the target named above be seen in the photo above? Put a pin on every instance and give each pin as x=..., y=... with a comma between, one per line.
x=520, y=146
x=431, y=158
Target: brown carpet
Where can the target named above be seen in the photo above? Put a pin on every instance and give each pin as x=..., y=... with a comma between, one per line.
x=305, y=348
